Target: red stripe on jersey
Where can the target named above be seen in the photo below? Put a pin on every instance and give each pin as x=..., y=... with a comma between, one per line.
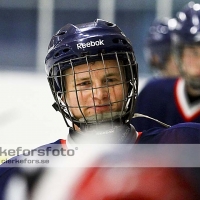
x=138, y=136
x=63, y=143
x=180, y=106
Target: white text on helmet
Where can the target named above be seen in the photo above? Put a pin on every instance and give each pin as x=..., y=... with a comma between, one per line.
x=90, y=44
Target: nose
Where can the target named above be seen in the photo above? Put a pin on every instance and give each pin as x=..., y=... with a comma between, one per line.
x=100, y=92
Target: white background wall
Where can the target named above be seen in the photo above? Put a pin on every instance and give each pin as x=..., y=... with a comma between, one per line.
x=26, y=114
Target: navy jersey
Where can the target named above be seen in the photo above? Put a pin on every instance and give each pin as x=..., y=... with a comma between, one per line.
x=183, y=133
x=165, y=100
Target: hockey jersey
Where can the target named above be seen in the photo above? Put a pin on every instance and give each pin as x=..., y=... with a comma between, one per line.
x=165, y=99
x=183, y=133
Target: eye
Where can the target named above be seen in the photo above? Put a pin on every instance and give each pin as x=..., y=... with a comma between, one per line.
x=84, y=83
x=112, y=81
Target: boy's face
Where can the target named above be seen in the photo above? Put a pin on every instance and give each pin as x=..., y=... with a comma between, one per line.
x=96, y=88
x=191, y=61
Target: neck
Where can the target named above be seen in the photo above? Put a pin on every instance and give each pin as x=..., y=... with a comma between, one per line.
x=193, y=91
x=105, y=134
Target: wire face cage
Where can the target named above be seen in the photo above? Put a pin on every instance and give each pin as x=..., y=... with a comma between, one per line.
x=96, y=89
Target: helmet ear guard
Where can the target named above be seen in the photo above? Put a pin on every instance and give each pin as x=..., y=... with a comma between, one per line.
x=85, y=43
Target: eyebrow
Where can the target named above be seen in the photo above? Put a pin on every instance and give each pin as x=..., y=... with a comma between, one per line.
x=89, y=77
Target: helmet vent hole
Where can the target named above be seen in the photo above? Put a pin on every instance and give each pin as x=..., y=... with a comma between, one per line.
x=109, y=24
x=124, y=41
x=57, y=54
x=117, y=41
x=66, y=50
x=61, y=33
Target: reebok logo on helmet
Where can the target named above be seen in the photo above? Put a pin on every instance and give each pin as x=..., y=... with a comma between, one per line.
x=90, y=44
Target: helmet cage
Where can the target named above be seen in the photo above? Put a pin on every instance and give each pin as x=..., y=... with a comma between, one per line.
x=125, y=62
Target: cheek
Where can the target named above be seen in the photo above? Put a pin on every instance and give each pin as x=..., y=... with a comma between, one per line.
x=191, y=61
x=73, y=98
x=117, y=93
x=191, y=66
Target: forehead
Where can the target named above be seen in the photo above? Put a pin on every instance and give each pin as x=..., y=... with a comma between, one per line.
x=108, y=65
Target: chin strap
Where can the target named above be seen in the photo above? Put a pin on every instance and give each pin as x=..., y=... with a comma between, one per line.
x=141, y=115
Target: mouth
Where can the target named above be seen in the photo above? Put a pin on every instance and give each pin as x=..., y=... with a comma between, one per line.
x=101, y=117
x=101, y=108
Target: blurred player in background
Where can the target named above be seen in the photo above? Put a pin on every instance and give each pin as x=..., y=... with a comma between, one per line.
x=158, y=49
x=93, y=75
x=176, y=100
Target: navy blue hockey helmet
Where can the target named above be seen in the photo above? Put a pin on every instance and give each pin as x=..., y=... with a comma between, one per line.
x=75, y=45
x=187, y=33
x=158, y=43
